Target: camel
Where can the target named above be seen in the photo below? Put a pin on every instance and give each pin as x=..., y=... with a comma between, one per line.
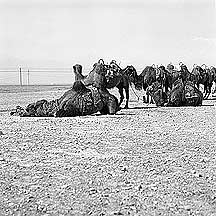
x=86, y=101
x=150, y=75
x=203, y=76
x=174, y=74
x=78, y=101
x=157, y=93
x=184, y=94
x=116, y=77
x=121, y=78
x=181, y=94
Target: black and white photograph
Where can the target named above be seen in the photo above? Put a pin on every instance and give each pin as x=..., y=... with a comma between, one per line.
x=107, y=107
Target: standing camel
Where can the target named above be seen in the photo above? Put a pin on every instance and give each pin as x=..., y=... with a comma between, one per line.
x=205, y=77
x=122, y=79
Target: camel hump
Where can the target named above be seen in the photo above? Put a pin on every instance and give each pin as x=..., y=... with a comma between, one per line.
x=78, y=86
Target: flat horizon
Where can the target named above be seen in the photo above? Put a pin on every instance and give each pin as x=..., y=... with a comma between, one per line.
x=139, y=33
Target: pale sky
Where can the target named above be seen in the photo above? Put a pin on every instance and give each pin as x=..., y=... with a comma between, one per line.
x=61, y=33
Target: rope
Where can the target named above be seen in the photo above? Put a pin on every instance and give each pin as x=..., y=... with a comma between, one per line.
x=134, y=92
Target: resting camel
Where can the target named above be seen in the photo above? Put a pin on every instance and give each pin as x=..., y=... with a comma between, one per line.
x=150, y=75
x=77, y=101
x=181, y=94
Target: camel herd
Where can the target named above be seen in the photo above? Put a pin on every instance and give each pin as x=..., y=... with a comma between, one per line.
x=167, y=76
x=89, y=94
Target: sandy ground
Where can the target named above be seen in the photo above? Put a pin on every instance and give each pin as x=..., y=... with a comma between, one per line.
x=141, y=161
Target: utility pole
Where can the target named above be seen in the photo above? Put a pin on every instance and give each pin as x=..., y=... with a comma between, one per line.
x=28, y=77
x=20, y=76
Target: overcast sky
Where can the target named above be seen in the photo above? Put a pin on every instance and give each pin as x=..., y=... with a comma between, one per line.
x=61, y=33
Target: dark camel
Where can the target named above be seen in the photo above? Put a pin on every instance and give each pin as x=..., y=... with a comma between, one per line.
x=205, y=77
x=181, y=94
x=150, y=75
x=77, y=101
x=122, y=79
x=115, y=77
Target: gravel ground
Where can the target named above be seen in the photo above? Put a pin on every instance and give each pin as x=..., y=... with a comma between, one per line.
x=141, y=161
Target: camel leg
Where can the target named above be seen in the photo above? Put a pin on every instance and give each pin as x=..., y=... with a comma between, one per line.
x=121, y=95
x=151, y=101
x=208, y=90
x=147, y=97
x=127, y=97
x=214, y=88
x=166, y=88
x=144, y=97
x=205, y=92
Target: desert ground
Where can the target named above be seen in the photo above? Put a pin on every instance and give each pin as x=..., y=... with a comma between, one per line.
x=142, y=161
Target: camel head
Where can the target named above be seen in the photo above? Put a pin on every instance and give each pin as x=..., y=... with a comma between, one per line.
x=162, y=67
x=100, y=68
x=113, y=69
x=183, y=67
x=131, y=73
x=77, y=68
x=170, y=66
